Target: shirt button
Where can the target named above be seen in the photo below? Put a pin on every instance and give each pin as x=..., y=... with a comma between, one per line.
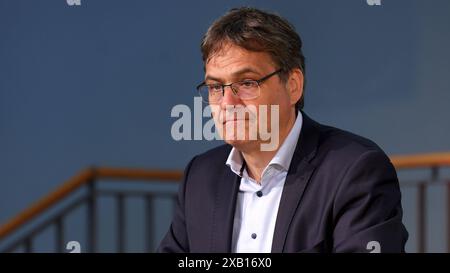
x=259, y=193
x=254, y=235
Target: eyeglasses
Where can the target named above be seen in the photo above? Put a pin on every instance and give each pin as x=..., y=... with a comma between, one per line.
x=245, y=90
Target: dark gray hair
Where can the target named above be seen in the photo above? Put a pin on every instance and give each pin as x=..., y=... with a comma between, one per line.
x=257, y=30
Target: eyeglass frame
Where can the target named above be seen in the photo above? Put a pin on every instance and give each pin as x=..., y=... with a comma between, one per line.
x=235, y=92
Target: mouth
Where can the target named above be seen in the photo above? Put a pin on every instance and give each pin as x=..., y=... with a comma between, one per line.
x=233, y=120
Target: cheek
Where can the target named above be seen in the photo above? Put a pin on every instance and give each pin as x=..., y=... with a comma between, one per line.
x=275, y=96
x=216, y=113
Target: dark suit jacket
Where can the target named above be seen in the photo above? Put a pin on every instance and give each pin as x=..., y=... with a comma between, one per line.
x=341, y=192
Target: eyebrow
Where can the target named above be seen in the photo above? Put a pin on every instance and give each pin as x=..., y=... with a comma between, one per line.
x=234, y=74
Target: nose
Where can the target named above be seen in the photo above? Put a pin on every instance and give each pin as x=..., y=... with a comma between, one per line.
x=229, y=98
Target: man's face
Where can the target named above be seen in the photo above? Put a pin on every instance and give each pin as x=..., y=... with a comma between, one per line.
x=234, y=64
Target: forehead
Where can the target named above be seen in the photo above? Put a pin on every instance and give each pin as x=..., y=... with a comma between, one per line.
x=231, y=58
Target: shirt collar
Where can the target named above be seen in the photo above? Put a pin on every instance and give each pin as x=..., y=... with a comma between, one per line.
x=282, y=158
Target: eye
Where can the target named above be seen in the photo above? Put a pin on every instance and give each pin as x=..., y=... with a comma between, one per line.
x=215, y=88
x=248, y=84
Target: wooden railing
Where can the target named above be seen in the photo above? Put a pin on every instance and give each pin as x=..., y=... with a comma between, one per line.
x=88, y=178
x=434, y=162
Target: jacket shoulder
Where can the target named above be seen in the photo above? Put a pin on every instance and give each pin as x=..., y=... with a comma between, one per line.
x=211, y=161
x=214, y=156
x=343, y=144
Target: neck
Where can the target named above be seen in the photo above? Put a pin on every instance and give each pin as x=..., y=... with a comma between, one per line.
x=257, y=160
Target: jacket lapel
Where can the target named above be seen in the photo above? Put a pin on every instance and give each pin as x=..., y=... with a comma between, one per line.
x=225, y=204
x=297, y=179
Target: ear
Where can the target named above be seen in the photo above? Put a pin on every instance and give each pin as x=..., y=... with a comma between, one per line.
x=295, y=85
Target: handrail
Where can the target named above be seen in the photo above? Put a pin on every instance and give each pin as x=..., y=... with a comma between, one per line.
x=138, y=174
x=431, y=160
x=79, y=180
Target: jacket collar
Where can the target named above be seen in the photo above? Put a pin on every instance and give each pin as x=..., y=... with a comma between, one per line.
x=297, y=179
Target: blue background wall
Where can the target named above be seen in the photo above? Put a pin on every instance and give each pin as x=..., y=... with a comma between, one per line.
x=94, y=84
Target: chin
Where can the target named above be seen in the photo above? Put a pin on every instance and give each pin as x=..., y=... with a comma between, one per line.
x=242, y=145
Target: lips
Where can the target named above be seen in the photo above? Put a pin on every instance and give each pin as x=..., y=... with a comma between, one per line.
x=234, y=120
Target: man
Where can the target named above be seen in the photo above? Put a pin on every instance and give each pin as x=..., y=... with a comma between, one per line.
x=320, y=189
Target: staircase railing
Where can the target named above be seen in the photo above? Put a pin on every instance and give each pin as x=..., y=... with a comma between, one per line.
x=89, y=180
x=434, y=162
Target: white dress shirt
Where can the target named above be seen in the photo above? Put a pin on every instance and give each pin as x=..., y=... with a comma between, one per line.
x=257, y=204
